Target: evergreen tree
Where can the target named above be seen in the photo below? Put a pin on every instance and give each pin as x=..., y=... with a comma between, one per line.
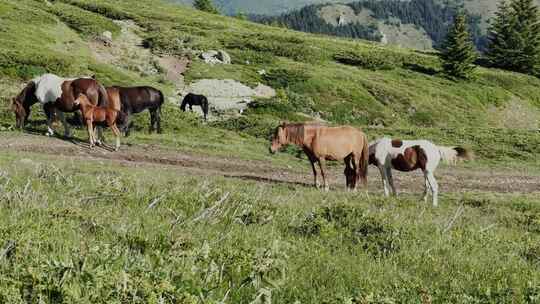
x=500, y=50
x=515, y=37
x=205, y=5
x=459, y=52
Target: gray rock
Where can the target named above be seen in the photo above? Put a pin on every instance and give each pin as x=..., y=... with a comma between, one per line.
x=216, y=57
x=224, y=57
x=107, y=35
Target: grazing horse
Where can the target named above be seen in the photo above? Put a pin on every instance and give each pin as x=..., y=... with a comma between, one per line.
x=195, y=100
x=410, y=155
x=321, y=143
x=137, y=99
x=96, y=115
x=56, y=94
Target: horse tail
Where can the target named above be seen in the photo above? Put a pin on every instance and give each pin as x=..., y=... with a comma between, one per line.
x=161, y=100
x=205, y=107
x=364, y=160
x=103, y=100
x=451, y=155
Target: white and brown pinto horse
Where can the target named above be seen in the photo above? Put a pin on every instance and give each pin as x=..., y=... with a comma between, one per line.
x=321, y=143
x=56, y=94
x=410, y=155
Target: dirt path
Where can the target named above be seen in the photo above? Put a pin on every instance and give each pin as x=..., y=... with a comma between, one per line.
x=450, y=179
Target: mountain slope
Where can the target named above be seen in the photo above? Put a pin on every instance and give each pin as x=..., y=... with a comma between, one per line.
x=337, y=80
x=484, y=8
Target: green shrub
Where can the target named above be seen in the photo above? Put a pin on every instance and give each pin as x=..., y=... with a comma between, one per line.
x=368, y=60
x=285, y=77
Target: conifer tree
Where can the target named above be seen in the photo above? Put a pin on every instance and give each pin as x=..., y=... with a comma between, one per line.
x=459, y=52
x=500, y=50
x=205, y=5
x=515, y=37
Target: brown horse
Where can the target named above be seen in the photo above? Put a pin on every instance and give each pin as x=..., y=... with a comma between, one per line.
x=321, y=143
x=96, y=115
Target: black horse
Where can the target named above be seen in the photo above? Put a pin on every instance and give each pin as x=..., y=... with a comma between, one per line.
x=137, y=99
x=195, y=100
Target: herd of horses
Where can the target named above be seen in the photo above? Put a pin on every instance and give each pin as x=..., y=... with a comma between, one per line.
x=114, y=106
x=59, y=95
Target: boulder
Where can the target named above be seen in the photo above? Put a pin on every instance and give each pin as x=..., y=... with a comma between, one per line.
x=105, y=38
x=264, y=91
x=224, y=57
x=216, y=57
x=107, y=35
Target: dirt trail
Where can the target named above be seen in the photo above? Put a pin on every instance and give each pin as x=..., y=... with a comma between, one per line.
x=450, y=179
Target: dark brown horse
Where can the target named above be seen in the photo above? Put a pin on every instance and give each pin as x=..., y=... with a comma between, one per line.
x=137, y=99
x=321, y=143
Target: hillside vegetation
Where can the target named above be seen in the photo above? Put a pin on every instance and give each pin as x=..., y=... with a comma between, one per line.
x=339, y=80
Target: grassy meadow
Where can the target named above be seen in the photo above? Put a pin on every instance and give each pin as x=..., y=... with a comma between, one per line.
x=95, y=232
x=79, y=229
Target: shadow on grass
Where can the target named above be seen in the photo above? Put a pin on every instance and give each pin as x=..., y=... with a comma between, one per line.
x=268, y=180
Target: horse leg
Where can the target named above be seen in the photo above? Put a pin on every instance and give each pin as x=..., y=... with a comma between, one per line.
x=117, y=134
x=355, y=164
x=90, y=130
x=67, y=130
x=434, y=188
x=350, y=176
x=390, y=180
x=100, y=138
x=49, y=111
x=316, y=182
x=427, y=188
x=128, y=124
x=158, y=120
x=153, y=120
x=325, y=183
x=384, y=180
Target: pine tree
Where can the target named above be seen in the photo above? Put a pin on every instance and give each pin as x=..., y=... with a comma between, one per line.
x=514, y=37
x=459, y=52
x=528, y=36
x=205, y=5
x=500, y=50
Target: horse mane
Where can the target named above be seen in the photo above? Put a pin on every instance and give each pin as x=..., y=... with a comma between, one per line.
x=295, y=133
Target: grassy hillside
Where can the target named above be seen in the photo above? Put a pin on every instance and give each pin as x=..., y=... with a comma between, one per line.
x=342, y=81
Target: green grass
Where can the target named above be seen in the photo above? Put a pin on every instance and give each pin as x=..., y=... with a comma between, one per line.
x=101, y=233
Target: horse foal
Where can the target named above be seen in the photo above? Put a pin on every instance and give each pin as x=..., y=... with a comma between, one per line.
x=102, y=116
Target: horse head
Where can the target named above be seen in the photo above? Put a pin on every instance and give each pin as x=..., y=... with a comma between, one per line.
x=81, y=99
x=22, y=102
x=279, y=138
x=20, y=112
